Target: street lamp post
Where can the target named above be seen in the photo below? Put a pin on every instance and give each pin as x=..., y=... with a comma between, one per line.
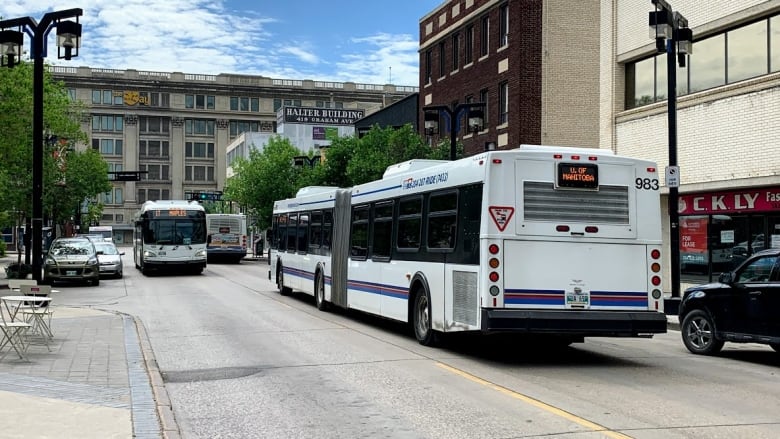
x=452, y=116
x=68, y=39
x=672, y=35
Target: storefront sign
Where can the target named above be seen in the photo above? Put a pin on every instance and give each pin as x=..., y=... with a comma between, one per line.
x=747, y=200
x=314, y=115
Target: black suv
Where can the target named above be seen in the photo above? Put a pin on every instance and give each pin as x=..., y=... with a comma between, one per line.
x=742, y=307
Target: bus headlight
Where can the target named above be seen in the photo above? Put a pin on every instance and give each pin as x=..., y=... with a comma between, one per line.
x=200, y=253
x=149, y=254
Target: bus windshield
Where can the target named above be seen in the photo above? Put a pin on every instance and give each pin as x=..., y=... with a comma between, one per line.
x=175, y=232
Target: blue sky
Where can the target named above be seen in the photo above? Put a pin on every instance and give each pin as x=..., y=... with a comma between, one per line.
x=369, y=41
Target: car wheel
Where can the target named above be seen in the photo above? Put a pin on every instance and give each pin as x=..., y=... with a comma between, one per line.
x=421, y=318
x=319, y=292
x=283, y=290
x=775, y=346
x=95, y=281
x=119, y=275
x=698, y=333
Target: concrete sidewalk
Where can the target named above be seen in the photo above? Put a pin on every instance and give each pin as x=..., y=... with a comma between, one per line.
x=100, y=380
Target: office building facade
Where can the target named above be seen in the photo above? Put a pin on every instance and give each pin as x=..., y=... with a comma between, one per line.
x=728, y=121
x=175, y=127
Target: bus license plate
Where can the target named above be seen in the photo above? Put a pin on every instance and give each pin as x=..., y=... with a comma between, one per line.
x=70, y=273
x=581, y=300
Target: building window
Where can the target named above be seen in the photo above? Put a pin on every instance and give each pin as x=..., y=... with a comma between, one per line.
x=428, y=66
x=154, y=124
x=199, y=173
x=155, y=99
x=113, y=196
x=107, y=97
x=455, y=51
x=107, y=122
x=503, y=25
x=115, y=167
x=154, y=194
x=153, y=148
x=503, y=103
x=483, y=97
x=442, y=60
x=741, y=53
x=199, y=150
x=199, y=126
x=469, y=44
x=108, y=146
x=119, y=218
x=155, y=172
x=72, y=94
x=484, y=36
x=243, y=126
x=199, y=102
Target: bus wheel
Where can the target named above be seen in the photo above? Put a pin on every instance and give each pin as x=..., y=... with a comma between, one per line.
x=283, y=290
x=421, y=318
x=319, y=292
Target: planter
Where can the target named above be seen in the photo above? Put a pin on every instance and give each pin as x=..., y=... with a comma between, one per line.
x=18, y=271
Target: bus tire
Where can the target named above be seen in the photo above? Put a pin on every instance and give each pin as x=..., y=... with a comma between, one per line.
x=319, y=291
x=421, y=318
x=283, y=290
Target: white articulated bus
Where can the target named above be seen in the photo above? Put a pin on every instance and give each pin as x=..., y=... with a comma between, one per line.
x=540, y=240
x=170, y=235
x=226, y=236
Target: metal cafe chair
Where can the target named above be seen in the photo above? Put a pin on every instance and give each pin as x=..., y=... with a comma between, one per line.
x=13, y=331
x=38, y=313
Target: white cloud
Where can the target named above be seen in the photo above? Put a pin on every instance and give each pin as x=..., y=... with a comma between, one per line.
x=202, y=36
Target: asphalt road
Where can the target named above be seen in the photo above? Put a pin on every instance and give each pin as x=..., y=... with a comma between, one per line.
x=241, y=361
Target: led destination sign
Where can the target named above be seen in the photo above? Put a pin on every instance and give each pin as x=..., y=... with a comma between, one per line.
x=578, y=175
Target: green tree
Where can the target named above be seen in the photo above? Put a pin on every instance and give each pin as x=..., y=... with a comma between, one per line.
x=265, y=177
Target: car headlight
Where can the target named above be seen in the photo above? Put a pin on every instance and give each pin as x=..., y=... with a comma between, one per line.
x=200, y=253
x=148, y=254
x=49, y=261
x=92, y=261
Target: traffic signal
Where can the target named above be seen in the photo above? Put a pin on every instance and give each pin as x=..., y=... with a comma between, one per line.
x=204, y=196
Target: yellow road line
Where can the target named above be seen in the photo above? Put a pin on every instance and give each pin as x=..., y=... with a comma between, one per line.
x=536, y=403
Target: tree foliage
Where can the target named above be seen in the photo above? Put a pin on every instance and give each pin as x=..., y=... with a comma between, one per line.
x=84, y=173
x=269, y=175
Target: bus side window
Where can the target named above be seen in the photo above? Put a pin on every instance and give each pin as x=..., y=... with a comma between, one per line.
x=442, y=220
x=327, y=229
x=359, y=238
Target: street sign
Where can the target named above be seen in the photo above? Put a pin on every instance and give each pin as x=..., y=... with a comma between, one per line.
x=126, y=175
x=673, y=176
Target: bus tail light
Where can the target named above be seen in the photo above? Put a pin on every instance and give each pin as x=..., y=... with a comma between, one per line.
x=493, y=276
x=493, y=249
x=655, y=267
x=655, y=254
x=493, y=263
x=592, y=229
x=656, y=280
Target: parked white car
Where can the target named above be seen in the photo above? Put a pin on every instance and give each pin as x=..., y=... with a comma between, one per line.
x=110, y=259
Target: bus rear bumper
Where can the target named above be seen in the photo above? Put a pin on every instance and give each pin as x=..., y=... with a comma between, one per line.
x=589, y=323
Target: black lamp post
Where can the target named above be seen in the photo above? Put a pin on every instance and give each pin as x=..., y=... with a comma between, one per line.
x=69, y=40
x=672, y=35
x=452, y=116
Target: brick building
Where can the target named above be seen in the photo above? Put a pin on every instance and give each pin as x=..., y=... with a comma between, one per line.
x=535, y=64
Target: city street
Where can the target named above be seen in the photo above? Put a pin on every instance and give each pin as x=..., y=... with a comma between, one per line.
x=239, y=360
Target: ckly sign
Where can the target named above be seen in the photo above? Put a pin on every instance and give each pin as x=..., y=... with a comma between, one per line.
x=748, y=200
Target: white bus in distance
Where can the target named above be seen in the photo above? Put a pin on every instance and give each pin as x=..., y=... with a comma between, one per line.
x=170, y=235
x=226, y=237
x=541, y=240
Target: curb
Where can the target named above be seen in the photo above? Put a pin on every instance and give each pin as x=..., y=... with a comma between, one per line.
x=170, y=429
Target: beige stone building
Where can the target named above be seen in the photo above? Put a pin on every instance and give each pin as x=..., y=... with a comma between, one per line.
x=175, y=127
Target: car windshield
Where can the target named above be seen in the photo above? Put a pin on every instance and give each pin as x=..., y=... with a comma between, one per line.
x=66, y=248
x=106, y=249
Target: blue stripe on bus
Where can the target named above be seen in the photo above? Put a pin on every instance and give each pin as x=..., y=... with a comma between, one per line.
x=398, y=186
x=380, y=289
x=303, y=274
x=533, y=297
x=556, y=297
